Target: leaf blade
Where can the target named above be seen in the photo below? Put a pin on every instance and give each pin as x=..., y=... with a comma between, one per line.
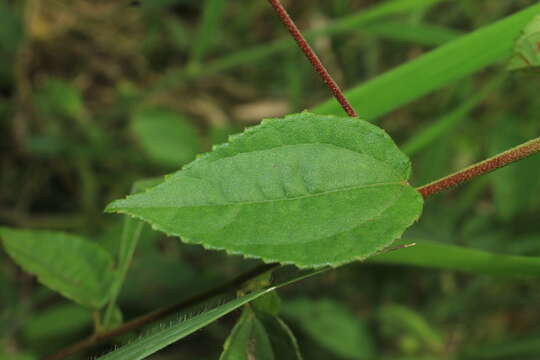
x=450, y=62
x=78, y=269
x=336, y=186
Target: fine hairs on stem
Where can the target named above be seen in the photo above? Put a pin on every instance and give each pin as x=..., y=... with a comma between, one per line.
x=493, y=163
x=312, y=57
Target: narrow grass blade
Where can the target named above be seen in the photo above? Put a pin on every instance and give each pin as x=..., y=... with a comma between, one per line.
x=358, y=20
x=158, y=340
x=446, y=123
x=128, y=242
x=175, y=331
x=446, y=64
x=436, y=255
x=208, y=28
x=422, y=34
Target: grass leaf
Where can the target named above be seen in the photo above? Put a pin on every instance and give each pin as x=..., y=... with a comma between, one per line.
x=442, y=66
x=436, y=255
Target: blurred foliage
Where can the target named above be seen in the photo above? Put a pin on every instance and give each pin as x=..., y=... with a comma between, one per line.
x=80, y=82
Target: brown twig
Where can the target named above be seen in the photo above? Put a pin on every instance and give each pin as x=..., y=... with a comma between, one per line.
x=507, y=157
x=312, y=57
x=161, y=313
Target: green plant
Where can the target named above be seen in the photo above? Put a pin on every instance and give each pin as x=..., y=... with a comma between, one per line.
x=311, y=190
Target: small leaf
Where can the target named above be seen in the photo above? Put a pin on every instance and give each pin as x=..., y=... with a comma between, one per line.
x=248, y=340
x=166, y=137
x=281, y=337
x=527, y=48
x=76, y=268
x=333, y=326
x=260, y=336
x=309, y=190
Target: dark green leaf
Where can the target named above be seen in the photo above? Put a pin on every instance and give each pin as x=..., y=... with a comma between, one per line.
x=260, y=336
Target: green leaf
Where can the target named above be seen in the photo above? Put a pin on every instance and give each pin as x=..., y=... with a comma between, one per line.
x=308, y=190
x=248, y=340
x=76, y=268
x=444, y=65
x=167, y=137
x=527, y=48
x=333, y=326
x=281, y=337
x=260, y=336
x=177, y=330
x=436, y=255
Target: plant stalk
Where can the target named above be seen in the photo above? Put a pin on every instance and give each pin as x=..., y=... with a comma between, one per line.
x=312, y=57
x=507, y=157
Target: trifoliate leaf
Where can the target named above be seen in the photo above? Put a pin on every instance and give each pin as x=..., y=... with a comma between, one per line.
x=309, y=190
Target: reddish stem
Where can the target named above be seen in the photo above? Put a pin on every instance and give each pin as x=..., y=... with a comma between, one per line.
x=312, y=57
x=509, y=156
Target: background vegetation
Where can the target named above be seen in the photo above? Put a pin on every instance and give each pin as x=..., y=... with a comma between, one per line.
x=97, y=94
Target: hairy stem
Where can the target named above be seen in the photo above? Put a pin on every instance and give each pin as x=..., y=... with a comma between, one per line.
x=507, y=157
x=312, y=57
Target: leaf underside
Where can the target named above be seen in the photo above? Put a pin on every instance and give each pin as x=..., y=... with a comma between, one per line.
x=309, y=190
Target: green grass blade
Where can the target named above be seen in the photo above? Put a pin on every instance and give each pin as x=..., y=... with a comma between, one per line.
x=131, y=232
x=164, y=337
x=206, y=33
x=156, y=341
x=432, y=254
x=446, y=64
x=422, y=34
x=446, y=123
x=356, y=21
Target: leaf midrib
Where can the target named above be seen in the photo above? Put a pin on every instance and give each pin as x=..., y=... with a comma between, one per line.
x=319, y=194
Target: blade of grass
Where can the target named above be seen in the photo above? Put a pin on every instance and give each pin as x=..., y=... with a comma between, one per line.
x=339, y=26
x=446, y=64
x=446, y=123
x=156, y=341
x=131, y=232
x=206, y=33
x=179, y=329
x=421, y=34
x=435, y=255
